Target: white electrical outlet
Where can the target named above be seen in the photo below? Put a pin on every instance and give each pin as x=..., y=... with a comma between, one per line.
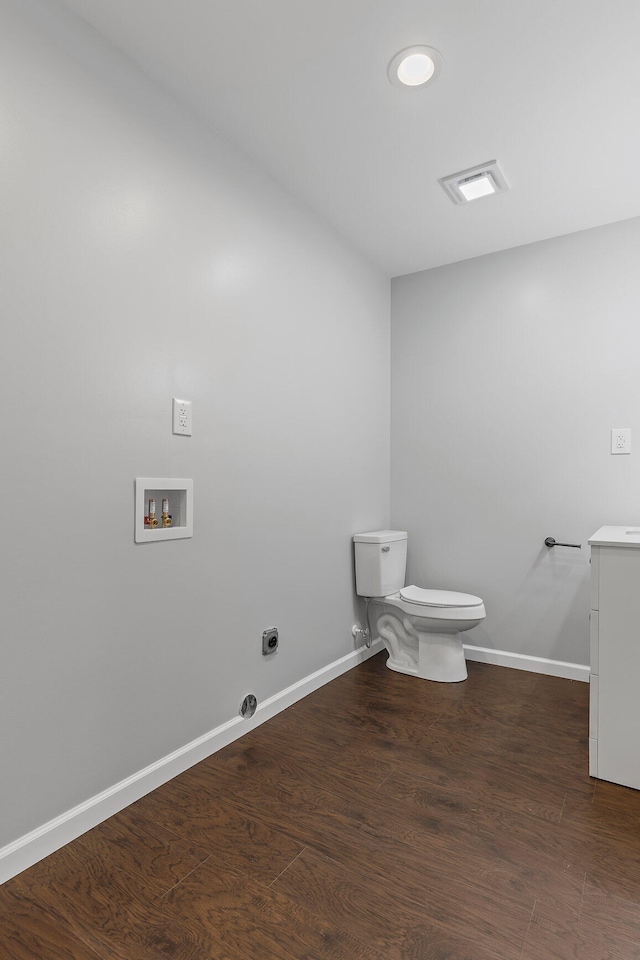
x=182, y=417
x=621, y=440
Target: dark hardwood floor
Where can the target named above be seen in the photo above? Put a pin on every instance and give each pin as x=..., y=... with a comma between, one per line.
x=380, y=817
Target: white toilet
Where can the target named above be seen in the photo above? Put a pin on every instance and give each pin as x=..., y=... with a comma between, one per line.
x=420, y=628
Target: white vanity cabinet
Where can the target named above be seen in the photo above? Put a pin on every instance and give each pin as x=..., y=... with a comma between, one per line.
x=614, y=715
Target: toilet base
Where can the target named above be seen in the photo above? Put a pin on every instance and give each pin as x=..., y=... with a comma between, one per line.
x=430, y=656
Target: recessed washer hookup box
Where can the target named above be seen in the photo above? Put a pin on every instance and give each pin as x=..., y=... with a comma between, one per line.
x=178, y=493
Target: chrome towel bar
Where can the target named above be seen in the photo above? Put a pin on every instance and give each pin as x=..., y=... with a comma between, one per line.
x=550, y=542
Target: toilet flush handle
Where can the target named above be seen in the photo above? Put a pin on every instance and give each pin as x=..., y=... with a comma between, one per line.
x=386, y=549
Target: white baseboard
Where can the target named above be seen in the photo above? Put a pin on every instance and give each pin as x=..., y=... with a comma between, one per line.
x=520, y=661
x=39, y=843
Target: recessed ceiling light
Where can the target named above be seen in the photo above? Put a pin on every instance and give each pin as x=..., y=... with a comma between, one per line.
x=472, y=188
x=415, y=66
x=474, y=183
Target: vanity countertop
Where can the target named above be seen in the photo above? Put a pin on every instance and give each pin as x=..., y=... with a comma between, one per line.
x=628, y=536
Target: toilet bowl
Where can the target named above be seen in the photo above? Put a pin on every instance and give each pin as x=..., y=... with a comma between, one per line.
x=420, y=628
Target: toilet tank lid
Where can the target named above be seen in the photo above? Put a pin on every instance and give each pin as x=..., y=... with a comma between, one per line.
x=380, y=536
x=439, y=598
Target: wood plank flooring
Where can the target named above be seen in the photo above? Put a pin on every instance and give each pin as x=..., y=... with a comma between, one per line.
x=382, y=817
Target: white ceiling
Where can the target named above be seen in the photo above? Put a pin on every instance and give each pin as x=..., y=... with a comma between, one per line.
x=549, y=88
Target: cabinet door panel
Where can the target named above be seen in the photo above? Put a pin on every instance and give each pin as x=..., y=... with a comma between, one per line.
x=619, y=666
x=594, y=626
x=593, y=706
x=595, y=578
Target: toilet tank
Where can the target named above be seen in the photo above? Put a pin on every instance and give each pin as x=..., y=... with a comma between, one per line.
x=381, y=562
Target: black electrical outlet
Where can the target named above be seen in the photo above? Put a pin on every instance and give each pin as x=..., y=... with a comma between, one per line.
x=269, y=641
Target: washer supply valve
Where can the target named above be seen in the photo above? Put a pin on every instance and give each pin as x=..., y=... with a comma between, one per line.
x=150, y=520
x=166, y=516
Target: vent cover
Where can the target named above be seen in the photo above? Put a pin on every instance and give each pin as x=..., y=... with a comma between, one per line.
x=474, y=183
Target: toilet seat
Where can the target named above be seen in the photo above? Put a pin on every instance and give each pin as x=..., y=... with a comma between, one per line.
x=438, y=598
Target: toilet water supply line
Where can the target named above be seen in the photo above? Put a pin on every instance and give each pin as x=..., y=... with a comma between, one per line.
x=358, y=632
x=367, y=633
x=368, y=640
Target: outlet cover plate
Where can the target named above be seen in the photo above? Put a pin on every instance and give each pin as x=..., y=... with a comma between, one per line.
x=182, y=417
x=621, y=440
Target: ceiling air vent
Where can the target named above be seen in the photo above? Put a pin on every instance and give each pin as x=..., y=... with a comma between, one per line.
x=474, y=183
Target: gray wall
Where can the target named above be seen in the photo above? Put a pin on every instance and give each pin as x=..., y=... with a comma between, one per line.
x=142, y=259
x=508, y=373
